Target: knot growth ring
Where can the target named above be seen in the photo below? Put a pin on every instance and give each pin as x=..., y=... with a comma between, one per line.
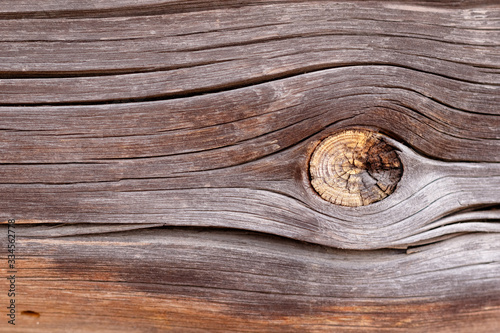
x=355, y=167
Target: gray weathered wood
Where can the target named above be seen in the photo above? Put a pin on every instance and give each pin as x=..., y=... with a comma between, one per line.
x=131, y=130
x=238, y=163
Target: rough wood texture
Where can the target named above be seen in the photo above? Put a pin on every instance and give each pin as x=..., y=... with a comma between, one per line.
x=354, y=168
x=199, y=280
x=180, y=117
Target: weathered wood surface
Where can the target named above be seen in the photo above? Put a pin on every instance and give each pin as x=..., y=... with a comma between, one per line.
x=200, y=280
x=168, y=115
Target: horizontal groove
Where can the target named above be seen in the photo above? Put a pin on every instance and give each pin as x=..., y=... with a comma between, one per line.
x=195, y=229
x=471, y=213
x=117, y=12
x=299, y=36
x=126, y=229
x=474, y=208
x=180, y=7
x=101, y=73
x=197, y=92
x=58, y=229
x=190, y=6
x=240, y=85
x=111, y=160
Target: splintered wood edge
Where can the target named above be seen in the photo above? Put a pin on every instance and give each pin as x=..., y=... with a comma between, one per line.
x=355, y=167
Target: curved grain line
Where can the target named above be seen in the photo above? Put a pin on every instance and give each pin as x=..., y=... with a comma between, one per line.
x=303, y=71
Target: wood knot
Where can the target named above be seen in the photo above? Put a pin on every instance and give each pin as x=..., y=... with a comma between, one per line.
x=355, y=168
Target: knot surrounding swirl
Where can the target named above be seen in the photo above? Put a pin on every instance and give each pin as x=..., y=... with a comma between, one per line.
x=355, y=168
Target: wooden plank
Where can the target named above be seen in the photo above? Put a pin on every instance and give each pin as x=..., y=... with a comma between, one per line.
x=132, y=132
x=228, y=281
x=199, y=162
x=171, y=55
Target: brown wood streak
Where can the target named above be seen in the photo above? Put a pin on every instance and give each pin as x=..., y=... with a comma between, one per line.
x=242, y=282
x=118, y=115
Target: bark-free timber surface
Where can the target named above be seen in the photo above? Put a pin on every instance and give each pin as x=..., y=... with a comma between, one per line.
x=198, y=280
x=185, y=117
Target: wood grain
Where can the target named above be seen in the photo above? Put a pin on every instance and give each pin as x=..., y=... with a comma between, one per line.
x=131, y=130
x=233, y=163
x=198, y=280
